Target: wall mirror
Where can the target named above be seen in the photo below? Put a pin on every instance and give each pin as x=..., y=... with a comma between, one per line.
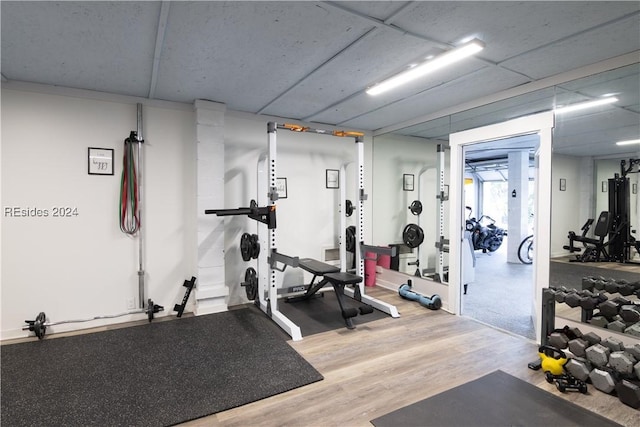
x=584, y=156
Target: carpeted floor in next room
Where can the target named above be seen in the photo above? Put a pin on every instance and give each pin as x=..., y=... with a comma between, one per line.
x=501, y=294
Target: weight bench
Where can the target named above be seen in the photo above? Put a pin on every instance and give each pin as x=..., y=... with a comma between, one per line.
x=331, y=275
x=595, y=249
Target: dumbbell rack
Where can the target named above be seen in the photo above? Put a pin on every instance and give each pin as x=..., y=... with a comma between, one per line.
x=610, y=365
x=600, y=308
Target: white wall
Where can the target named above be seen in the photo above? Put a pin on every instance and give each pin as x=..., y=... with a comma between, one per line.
x=565, y=215
x=83, y=266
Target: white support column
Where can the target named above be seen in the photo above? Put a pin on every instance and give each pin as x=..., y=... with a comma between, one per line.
x=210, y=292
x=518, y=204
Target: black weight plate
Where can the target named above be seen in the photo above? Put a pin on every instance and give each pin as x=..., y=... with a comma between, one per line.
x=251, y=283
x=412, y=235
x=246, y=246
x=39, y=326
x=348, y=208
x=350, y=239
x=255, y=246
x=416, y=207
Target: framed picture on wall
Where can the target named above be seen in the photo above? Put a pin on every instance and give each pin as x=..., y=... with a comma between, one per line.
x=281, y=187
x=563, y=184
x=100, y=161
x=407, y=182
x=333, y=178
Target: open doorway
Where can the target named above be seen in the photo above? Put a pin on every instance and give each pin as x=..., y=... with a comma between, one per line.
x=541, y=125
x=499, y=190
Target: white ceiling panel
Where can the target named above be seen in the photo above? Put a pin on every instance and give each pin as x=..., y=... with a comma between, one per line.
x=510, y=28
x=244, y=54
x=90, y=45
x=584, y=49
x=380, y=10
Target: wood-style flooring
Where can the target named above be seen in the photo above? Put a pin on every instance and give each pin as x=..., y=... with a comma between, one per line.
x=387, y=364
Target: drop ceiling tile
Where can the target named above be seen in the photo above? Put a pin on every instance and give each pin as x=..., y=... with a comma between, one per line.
x=510, y=28
x=376, y=9
x=90, y=45
x=596, y=45
x=245, y=54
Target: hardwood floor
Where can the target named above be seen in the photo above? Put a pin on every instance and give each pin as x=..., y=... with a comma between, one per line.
x=387, y=364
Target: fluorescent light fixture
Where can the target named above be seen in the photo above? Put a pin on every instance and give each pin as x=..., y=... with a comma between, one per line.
x=585, y=105
x=628, y=142
x=440, y=61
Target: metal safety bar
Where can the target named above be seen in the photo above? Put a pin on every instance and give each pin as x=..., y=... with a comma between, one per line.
x=299, y=128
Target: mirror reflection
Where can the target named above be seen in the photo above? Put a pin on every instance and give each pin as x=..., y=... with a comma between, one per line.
x=588, y=178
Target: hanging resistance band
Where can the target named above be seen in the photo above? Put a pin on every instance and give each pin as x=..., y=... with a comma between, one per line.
x=129, y=197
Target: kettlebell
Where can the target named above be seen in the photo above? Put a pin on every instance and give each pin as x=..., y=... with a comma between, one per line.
x=553, y=365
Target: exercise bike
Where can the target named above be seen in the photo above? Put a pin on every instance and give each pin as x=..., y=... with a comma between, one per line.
x=487, y=238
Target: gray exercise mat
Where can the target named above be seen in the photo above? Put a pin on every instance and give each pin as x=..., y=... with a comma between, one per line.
x=163, y=373
x=322, y=313
x=496, y=399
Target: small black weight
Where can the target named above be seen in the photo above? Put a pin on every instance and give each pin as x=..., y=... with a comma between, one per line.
x=348, y=208
x=416, y=207
x=39, y=326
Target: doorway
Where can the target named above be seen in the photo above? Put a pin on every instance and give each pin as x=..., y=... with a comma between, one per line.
x=499, y=192
x=541, y=125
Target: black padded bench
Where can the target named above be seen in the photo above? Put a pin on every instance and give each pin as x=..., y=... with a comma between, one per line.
x=331, y=275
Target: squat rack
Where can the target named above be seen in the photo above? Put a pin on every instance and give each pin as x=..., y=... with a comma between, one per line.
x=361, y=248
x=264, y=212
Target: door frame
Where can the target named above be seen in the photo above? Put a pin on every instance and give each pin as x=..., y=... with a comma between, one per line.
x=541, y=124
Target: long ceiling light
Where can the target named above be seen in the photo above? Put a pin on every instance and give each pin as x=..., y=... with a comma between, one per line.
x=449, y=57
x=628, y=142
x=585, y=105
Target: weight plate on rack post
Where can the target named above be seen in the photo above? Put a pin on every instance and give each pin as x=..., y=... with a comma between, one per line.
x=348, y=208
x=255, y=246
x=416, y=207
x=412, y=235
x=350, y=239
x=250, y=283
x=246, y=246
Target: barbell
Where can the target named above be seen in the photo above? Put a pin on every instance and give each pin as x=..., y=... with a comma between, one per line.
x=39, y=324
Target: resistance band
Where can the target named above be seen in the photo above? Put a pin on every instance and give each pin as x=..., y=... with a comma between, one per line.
x=129, y=212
